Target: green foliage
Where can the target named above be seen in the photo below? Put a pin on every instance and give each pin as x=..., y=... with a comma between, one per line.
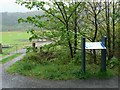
x=30, y=49
x=72, y=19
x=114, y=62
x=49, y=53
x=33, y=34
x=62, y=56
x=104, y=75
x=32, y=57
x=32, y=20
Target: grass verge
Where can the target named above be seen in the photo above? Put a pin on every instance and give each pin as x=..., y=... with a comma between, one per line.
x=9, y=58
x=55, y=71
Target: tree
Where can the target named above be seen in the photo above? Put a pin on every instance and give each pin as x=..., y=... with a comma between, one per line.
x=93, y=10
x=75, y=19
x=59, y=10
x=113, y=21
x=118, y=30
x=115, y=26
x=107, y=13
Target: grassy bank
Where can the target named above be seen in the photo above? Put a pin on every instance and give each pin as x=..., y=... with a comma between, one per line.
x=56, y=64
x=57, y=72
x=9, y=58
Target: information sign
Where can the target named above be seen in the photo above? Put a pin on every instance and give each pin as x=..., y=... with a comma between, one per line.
x=94, y=45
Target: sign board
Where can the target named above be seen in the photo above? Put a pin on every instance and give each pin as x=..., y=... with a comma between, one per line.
x=94, y=45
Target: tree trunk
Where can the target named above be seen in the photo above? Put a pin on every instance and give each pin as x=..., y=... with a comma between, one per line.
x=68, y=38
x=118, y=44
x=118, y=34
x=108, y=30
x=113, y=19
x=75, y=31
x=94, y=38
x=96, y=29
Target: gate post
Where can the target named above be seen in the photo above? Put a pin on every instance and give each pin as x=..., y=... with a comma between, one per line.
x=83, y=55
x=0, y=48
x=103, y=55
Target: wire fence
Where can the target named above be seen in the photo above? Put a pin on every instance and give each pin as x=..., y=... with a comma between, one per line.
x=16, y=48
x=12, y=48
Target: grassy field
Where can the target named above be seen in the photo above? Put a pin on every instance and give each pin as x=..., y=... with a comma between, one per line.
x=15, y=39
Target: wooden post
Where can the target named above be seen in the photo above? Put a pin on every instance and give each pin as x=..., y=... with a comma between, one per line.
x=83, y=55
x=1, y=48
x=103, y=55
x=33, y=44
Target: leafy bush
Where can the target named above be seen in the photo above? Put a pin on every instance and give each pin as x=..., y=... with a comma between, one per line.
x=77, y=58
x=62, y=56
x=114, y=62
x=30, y=49
x=32, y=56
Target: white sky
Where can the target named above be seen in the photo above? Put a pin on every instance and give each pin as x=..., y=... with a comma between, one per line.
x=11, y=6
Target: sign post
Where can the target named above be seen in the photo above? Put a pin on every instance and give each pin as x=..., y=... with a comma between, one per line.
x=103, y=55
x=94, y=45
x=83, y=55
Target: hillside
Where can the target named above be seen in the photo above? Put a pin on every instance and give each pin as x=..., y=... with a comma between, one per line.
x=10, y=20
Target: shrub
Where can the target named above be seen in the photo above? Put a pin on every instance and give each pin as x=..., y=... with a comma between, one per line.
x=114, y=62
x=104, y=75
x=32, y=56
x=30, y=49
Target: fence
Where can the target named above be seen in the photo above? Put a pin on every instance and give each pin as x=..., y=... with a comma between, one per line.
x=11, y=48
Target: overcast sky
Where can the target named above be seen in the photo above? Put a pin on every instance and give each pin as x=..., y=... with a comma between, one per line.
x=11, y=6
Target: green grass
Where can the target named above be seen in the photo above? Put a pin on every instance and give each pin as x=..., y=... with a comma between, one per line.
x=15, y=39
x=56, y=72
x=9, y=58
x=48, y=71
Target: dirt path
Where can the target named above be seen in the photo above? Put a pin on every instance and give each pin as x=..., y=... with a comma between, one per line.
x=18, y=81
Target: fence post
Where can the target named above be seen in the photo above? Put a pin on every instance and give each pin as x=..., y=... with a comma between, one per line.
x=1, y=48
x=83, y=54
x=103, y=55
x=33, y=44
